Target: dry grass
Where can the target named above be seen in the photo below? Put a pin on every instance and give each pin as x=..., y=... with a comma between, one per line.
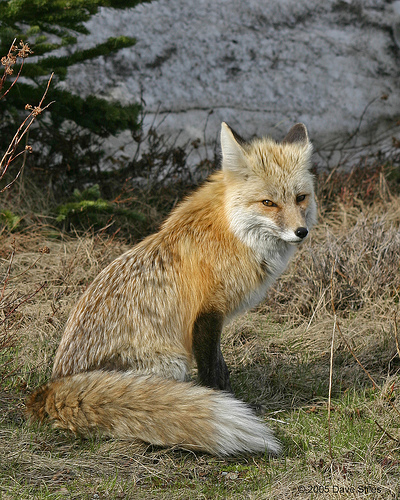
x=279, y=357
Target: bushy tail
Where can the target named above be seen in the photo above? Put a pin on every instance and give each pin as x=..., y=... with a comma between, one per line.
x=155, y=410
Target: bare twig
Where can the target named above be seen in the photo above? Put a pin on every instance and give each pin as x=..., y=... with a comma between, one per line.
x=330, y=389
x=331, y=364
x=355, y=357
x=26, y=299
x=375, y=385
x=387, y=433
x=358, y=128
x=344, y=338
x=8, y=61
x=361, y=365
x=10, y=155
x=396, y=334
x=27, y=269
x=7, y=276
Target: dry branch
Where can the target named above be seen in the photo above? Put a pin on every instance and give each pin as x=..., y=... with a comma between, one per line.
x=8, y=62
x=11, y=154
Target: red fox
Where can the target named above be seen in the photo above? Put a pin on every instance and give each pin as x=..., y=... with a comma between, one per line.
x=128, y=346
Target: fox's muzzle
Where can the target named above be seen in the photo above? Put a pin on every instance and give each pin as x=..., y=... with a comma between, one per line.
x=301, y=232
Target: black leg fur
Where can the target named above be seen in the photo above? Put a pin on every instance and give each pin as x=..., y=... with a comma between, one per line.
x=211, y=365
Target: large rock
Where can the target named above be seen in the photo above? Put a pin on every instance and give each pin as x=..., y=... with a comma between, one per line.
x=259, y=65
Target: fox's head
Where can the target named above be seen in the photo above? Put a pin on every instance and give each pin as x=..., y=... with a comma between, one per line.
x=269, y=186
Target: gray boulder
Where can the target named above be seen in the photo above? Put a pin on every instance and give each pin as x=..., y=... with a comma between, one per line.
x=260, y=65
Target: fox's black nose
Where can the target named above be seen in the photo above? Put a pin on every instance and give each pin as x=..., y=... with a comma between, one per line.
x=301, y=232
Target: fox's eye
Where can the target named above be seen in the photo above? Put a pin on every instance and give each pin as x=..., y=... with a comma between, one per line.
x=269, y=203
x=300, y=198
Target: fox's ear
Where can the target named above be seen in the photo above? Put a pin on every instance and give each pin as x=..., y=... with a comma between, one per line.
x=232, y=151
x=298, y=133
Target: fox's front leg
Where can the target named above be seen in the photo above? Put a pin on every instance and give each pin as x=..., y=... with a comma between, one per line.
x=211, y=365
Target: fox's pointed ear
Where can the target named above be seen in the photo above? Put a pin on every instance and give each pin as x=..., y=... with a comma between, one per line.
x=232, y=151
x=298, y=133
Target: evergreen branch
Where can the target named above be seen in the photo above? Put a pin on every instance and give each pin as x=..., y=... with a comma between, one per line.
x=59, y=64
x=94, y=207
x=70, y=15
x=93, y=113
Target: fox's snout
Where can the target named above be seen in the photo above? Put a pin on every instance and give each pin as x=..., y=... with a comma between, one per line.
x=294, y=235
x=301, y=232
